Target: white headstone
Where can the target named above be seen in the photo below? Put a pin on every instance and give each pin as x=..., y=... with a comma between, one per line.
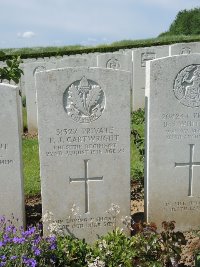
x=173, y=141
x=11, y=179
x=75, y=62
x=31, y=106
x=28, y=60
x=84, y=132
x=117, y=61
x=184, y=48
x=22, y=81
x=140, y=57
x=92, y=57
x=29, y=72
x=5, y=81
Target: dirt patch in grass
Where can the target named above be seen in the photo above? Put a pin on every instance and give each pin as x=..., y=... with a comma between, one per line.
x=33, y=208
x=33, y=135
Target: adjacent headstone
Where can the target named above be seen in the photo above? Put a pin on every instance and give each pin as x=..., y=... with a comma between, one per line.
x=92, y=57
x=173, y=141
x=117, y=61
x=11, y=178
x=29, y=72
x=75, y=62
x=140, y=57
x=184, y=48
x=84, y=139
x=5, y=81
x=22, y=82
x=28, y=60
x=31, y=106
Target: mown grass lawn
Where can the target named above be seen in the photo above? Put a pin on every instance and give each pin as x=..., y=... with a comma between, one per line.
x=31, y=166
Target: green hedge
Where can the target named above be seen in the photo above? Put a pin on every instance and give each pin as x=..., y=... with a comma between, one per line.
x=73, y=50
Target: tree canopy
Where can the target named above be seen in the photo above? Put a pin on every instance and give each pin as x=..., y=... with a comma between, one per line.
x=187, y=22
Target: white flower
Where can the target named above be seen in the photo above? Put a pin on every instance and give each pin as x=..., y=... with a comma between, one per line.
x=102, y=244
x=55, y=228
x=108, y=253
x=97, y=263
x=75, y=209
x=48, y=217
x=114, y=209
x=126, y=221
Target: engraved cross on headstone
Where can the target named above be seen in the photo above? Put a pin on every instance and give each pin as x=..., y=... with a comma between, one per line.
x=86, y=179
x=190, y=164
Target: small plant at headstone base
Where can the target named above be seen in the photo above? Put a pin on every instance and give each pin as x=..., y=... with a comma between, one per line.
x=113, y=249
x=171, y=244
x=146, y=248
x=71, y=251
x=25, y=248
x=146, y=243
x=163, y=248
x=11, y=72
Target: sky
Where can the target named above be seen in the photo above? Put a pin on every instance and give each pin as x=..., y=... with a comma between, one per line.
x=33, y=23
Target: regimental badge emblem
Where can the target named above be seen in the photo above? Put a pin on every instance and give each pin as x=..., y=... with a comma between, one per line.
x=186, y=51
x=113, y=63
x=84, y=100
x=187, y=86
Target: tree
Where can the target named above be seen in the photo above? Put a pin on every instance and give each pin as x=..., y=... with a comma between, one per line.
x=187, y=22
x=12, y=70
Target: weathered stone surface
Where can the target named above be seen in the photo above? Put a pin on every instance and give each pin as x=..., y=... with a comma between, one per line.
x=19, y=101
x=184, y=48
x=31, y=105
x=22, y=81
x=29, y=72
x=173, y=141
x=76, y=61
x=84, y=132
x=11, y=179
x=118, y=61
x=140, y=57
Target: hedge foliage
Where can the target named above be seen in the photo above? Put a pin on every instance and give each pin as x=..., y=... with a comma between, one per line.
x=25, y=53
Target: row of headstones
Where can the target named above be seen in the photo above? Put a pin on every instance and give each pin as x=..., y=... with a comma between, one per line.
x=84, y=139
x=133, y=60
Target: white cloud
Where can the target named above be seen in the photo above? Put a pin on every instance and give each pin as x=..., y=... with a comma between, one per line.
x=26, y=35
